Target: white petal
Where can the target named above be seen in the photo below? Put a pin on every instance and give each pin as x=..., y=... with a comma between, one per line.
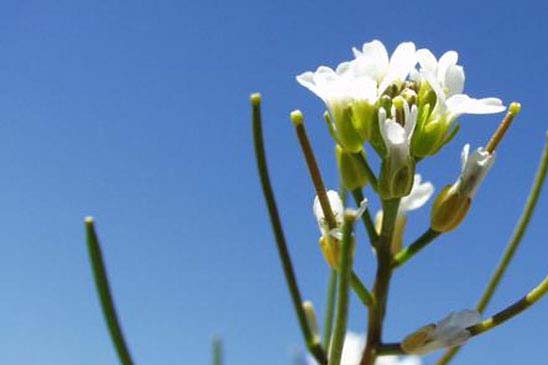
x=454, y=80
x=448, y=59
x=419, y=195
x=463, y=104
x=464, y=156
x=352, y=349
x=411, y=122
x=403, y=60
x=372, y=61
x=427, y=60
x=395, y=134
x=336, y=206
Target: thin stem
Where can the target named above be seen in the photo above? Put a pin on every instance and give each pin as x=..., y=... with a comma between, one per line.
x=390, y=349
x=511, y=311
x=217, y=349
x=330, y=311
x=512, y=246
x=361, y=291
x=105, y=296
x=408, y=252
x=345, y=274
x=366, y=218
x=313, y=168
x=314, y=347
x=382, y=282
x=371, y=178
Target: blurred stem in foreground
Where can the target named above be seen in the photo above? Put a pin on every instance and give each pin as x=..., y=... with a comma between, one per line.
x=513, y=244
x=217, y=349
x=103, y=290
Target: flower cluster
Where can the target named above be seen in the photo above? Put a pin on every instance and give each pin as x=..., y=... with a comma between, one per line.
x=405, y=105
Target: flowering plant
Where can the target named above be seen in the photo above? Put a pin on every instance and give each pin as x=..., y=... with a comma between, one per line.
x=405, y=107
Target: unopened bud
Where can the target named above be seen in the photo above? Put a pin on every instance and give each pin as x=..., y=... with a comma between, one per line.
x=449, y=209
x=396, y=177
x=331, y=249
x=353, y=174
x=312, y=321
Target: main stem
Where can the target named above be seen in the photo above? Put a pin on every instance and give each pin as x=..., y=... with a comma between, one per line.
x=382, y=283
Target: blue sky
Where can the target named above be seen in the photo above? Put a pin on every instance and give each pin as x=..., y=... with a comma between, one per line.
x=137, y=113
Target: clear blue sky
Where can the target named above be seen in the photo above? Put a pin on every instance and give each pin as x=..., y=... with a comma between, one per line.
x=138, y=114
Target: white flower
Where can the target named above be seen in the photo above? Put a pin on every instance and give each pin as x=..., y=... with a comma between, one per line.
x=336, y=206
x=397, y=138
x=419, y=195
x=338, y=88
x=474, y=168
x=449, y=332
x=447, y=80
x=372, y=62
x=354, y=345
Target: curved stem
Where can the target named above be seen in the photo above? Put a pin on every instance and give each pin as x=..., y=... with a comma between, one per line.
x=345, y=274
x=314, y=347
x=511, y=311
x=105, y=296
x=408, y=252
x=512, y=246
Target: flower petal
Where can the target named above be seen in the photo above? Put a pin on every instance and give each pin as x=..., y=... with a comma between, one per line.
x=401, y=63
x=449, y=58
x=372, y=61
x=427, y=60
x=454, y=80
x=463, y=104
x=419, y=195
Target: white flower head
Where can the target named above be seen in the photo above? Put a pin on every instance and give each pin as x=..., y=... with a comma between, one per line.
x=474, y=168
x=447, y=80
x=372, y=62
x=354, y=345
x=336, y=206
x=397, y=138
x=449, y=332
x=419, y=195
x=338, y=88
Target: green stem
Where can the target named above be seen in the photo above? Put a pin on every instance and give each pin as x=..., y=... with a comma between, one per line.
x=371, y=178
x=511, y=311
x=217, y=348
x=390, y=349
x=329, y=313
x=345, y=275
x=382, y=282
x=512, y=246
x=105, y=296
x=366, y=218
x=361, y=290
x=408, y=252
x=315, y=348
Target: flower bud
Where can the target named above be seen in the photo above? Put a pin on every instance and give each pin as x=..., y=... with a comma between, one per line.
x=396, y=177
x=353, y=175
x=453, y=203
x=398, y=167
x=449, y=210
x=331, y=250
x=312, y=321
x=347, y=135
x=364, y=118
